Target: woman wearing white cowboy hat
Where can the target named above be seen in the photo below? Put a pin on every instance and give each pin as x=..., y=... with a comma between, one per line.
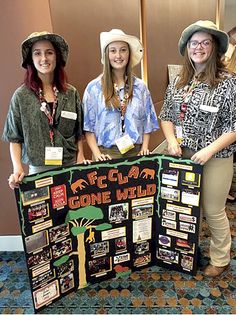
x=119, y=115
x=198, y=119
x=44, y=123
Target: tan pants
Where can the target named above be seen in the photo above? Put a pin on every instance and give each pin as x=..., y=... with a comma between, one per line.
x=217, y=179
x=115, y=153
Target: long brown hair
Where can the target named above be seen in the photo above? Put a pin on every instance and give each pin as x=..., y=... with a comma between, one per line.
x=34, y=83
x=108, y=90
x=211, y=71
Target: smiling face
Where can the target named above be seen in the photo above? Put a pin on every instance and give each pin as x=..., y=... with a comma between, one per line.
x=44, y=57
x=199, y=49
x=118, y=53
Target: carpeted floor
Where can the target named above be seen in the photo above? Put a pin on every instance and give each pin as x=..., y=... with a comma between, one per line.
x=150, y=291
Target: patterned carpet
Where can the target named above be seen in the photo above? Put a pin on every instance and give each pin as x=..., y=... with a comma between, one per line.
x=150, y=291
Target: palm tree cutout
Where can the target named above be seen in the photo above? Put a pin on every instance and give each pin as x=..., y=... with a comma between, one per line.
x=80, y=221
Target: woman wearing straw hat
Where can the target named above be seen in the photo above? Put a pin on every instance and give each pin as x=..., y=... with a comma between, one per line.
x=119, y=115
x=198, y=119
x=44, y=124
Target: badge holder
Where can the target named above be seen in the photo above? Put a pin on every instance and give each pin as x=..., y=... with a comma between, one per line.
x=124, y=144
x=53, y=155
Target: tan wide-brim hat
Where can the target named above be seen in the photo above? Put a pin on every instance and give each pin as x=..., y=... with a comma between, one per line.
x=57, y=40
x=117, y=35
x=204, y=26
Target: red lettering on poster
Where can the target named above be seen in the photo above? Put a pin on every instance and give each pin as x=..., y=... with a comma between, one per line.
x=59, y=198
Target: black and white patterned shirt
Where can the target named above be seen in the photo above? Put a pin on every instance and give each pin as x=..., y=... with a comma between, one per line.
x=210, y=113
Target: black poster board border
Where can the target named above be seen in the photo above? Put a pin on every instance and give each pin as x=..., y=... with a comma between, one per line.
x=88, y=223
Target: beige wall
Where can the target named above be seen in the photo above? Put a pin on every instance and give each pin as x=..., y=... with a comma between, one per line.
x=18, y=18
x=230, y=14
x=80, y=22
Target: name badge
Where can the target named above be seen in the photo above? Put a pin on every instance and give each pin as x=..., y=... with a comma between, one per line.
x=179, y=133
x=209, y=109
x=69, y=115
x=53, y=155
x=124, y=144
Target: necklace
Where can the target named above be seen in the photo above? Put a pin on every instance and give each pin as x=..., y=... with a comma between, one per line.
x=50, y=115
x=123, y=103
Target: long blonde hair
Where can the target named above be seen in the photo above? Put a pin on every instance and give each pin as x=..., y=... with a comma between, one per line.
x=211, y=72
x=108, y=90
x=232, y=62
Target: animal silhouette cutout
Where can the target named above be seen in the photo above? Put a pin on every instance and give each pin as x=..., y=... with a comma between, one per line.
x=78, y=184
x=147, y=172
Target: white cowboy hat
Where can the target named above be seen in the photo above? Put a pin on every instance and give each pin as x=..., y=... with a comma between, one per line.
x=115, y=35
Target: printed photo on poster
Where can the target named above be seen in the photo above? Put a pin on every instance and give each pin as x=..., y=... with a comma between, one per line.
x=164, y=240
x=58, y=232
x=99, y=249
x=190, y=197
x=100, y=266
x=67, y=282
x=36, y=241
x=187, y=262
x=185, y=246
x=170, y=193
x=41, y=279
x=168, y=255
x=120, y=244
x=35, y=195
x=119, y=212
x=170, y=177
x=191, y=179
x=39, y=258
x=38, y=211
x=142, y=260
x=139, y=212
x=141, y=248
x=61, y=248
x=65, y=268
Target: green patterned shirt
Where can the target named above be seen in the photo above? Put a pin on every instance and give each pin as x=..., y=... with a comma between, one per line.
x=28, y=125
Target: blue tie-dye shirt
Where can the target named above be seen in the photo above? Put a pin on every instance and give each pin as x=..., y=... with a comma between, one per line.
x=105, y=123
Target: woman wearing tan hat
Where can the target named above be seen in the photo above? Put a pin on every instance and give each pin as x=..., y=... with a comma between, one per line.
x=44, y=124
x=119, y=115
x=198, y=119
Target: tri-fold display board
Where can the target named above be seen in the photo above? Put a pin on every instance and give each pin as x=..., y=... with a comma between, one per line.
x=87, y=223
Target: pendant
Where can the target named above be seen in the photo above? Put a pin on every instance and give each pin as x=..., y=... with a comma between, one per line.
x=43, y=106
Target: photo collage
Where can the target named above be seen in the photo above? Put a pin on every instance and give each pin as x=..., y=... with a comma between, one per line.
x=179, y=216
x=82, y=225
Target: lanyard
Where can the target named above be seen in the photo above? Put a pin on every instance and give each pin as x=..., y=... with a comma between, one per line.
x=123, y=104
x=45, y=108
x=188, y=92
